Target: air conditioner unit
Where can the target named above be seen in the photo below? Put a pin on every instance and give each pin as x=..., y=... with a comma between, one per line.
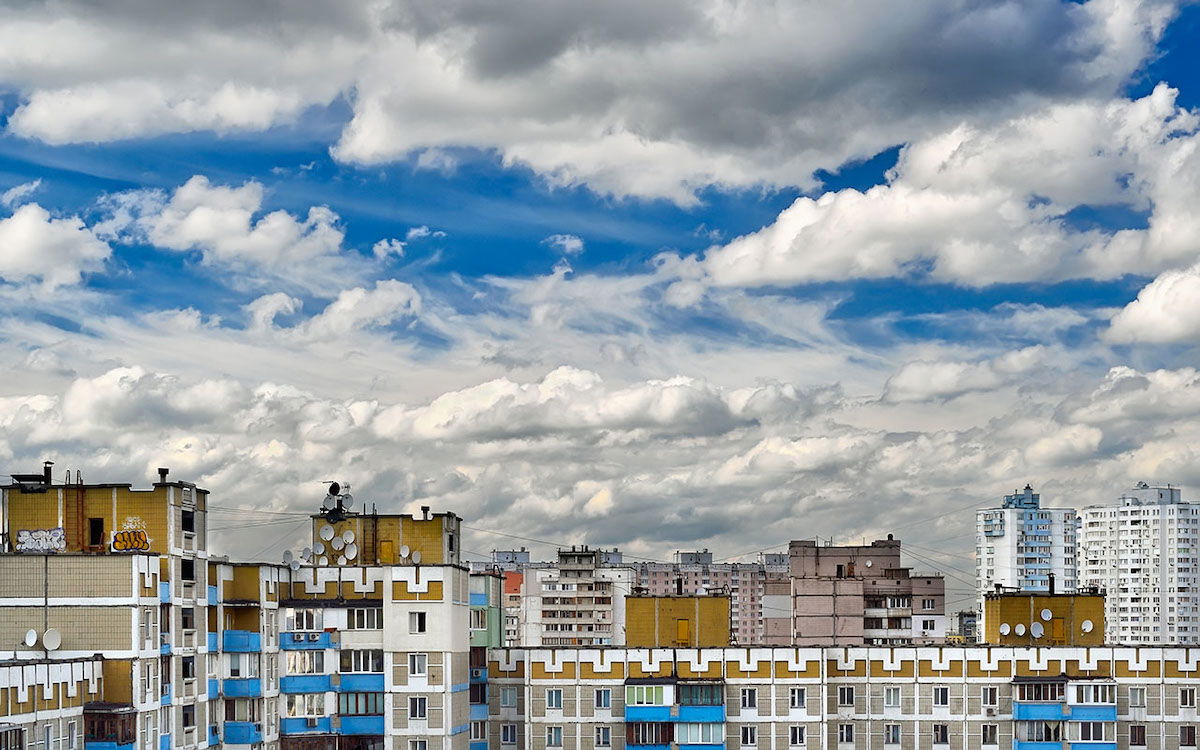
x=314, y=637
x=310, y=723
x=477, y=673
x=991, y=712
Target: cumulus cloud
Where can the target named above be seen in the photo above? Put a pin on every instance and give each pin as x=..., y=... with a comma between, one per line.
x=55, y=251
x=924, y=380
x=567, y=244
x=653, y=100
x=19, y=193
x=1165, y=311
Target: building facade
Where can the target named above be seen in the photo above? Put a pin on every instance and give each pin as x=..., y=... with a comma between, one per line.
x=577, y=601
x=1144, y=552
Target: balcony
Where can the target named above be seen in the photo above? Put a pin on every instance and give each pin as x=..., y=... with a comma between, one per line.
x=164, y=592
x=362, y=725
x=1023, y=711
x=166, y=697
x=164, y=742
x=305, y=641
x=250, y=687
x=164, y=643
x=212, y=643
x=320, y=725
x=306, y=683
x=648, y=713
x=241, y=641
x=361, y=683
x=701, y=714
x=214, y=688
x=243, y=732
x=214, y=739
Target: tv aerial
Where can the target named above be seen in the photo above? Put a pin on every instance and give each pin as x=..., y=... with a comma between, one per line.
x=337, y=503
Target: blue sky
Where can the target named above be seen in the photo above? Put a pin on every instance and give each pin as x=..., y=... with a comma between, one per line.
x=651, y=268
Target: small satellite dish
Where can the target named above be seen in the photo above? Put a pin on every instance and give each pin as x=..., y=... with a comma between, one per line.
x=337, y=543
x=347, y=536
x=1037, y=630
x=31, y=638
x=404, y=550
x=307, y=553
x=326, y=532
x=323, y=561
x=1047, y=615
x=351, y=551
x=869, y=563
x=329, y=503
x=342, y=560
x=1020, y=629
x=318, y=548
x=52, y=639
x=334, y=488
x=287, y=557
x=347, y=501
x=1086, y=626
x=416, y=557
x=294, y=565
x=1004, y=628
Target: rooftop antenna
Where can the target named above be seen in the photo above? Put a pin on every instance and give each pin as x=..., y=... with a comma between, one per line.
x=337, y=503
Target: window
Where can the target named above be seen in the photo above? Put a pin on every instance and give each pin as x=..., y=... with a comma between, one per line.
x=990, y=696
x=797, y=697
x=1187, y=736
x=306, y=662
x=699, y=734
x=71, y=735
x=479, y=619
x=187, y=521
x=1187, y=697
x=368, y=618
x=1041, y=691
x=366, y=660
x=991, y=734
x=928, y=625
x=603, y=737
x=1137, y=735
x=941, y=734
x=644, y=695
x=189, y=715
x=303, y=619
x=508, y=697
x=941, y=696
x=187, y=570
x=846, y=695
x=553, y=736
x=477, y=693
x=891, y=734
x=306, y=704
x=1101, y=693
x=554, y=698
x=891, y=697
x=95, y=532
x=418, y=664
x=416, y=622
x=187, y=618
x=749, y=697
x=928, y=604
x=796, y=736
x=508, y=734
x=1039, y=731
x=749, y=736
x=189, y=667
x=701, y=694
x=648, y=733
x=360, y=704
x=1091, y=731
x=1137, y=697
x=478, y=730
x=418, y=745
x=604, y=698
x=845, y=733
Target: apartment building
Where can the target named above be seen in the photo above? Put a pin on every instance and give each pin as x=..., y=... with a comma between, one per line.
x=577, y=601
x=942, y=698
x=1019, y=545
x=1144, y=552
x=43, y=705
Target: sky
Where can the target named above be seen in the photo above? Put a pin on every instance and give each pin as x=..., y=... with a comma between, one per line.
x=660, y=276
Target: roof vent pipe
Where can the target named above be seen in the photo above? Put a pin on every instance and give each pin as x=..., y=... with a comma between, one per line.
x=162, y=475
x=424, y=512
x=46, y=466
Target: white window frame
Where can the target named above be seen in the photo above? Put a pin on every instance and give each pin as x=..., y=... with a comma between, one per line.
x=843, y=700
x=508, y=734
x=418, y=707
x=750, y=698
x=749, y=736
x=797, y=697
x=554, y=699
x=603, y=736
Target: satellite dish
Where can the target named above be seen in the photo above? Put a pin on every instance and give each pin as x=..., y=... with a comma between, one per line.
x=329, y=503
x=1086, y=626
x=334, y=488
x=347, y=536
x=337, y=543
x=347, y=500
x=52, y=639
x=307, y=553
x=323, y=561
x=31, y=638
x=869, y=563
x=318, y=548
x=404, y=550
x=1037, y=630
x=1047, y=615
x=1020, y=629
x=287, y=557
x=351, y=551
x=294, y=565
x=326, y=532
x=1004, y=628
x=416, y=557
x=342, y=560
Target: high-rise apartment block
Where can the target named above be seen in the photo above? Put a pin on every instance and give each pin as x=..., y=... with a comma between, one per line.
x=579, y=600
x=1144, y=552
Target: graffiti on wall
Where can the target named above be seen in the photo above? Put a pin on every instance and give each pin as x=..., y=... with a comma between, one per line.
x=41, y=540
x=131, y=537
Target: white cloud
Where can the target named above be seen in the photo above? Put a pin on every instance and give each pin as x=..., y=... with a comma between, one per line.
x=422, y=232
x=567, y=244
x=18, y=193
x=384, y=248
x=388, y=302
x=55, y=251
x=1165, y=311
x=937, y=380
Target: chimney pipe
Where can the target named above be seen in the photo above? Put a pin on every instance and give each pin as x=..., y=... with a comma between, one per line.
x=424, y=512
x=46, y=466
x=1051, y=584
x=162, y=475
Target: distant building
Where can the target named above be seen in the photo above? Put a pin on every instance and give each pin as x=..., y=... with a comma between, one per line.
x=1144, y=551
x=1049, y=619
x=681, y=621
x=578, y=601
x=967, y=621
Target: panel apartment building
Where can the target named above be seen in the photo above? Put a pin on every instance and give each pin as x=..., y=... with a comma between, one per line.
x=1144, y=552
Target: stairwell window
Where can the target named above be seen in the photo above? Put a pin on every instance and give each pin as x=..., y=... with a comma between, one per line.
x=554, y=736
x=891, y=697
x=418, y=665
x=508, y=697
x=991, y=734
x=796, y=736
x=416, y=622
x=941, y=696
x=1187, y=697
x=1137, y=735
x=749, y=736
x=990, y=696
x=749, y=697
x=418, y=707
x=941, y=734
x=891, y=734
x=508, y=734
x=1137, y=697
x=604, y=698
x=603, y=736
x=554, y=698
x=845, y=733
x=797, y=697
x=846, y=696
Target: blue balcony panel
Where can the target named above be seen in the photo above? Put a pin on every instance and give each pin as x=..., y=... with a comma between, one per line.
x=213, y=738
x=321, y=725
x=164, y=592
x=361, y=683
x=648, y=713
x=164, y=742
x=167, y=695
x=362, y=725
x=1019, y=745
x=242, y=733
x=650, y=747
x=212, y=643
x=702, y=714
x=479, y=712
x=214, y=689
x=478, y=744
x=304, y=641
x=459, y=729
x=241, y=641
x=165, y=649
x=713, y=746
x=1099, y=712
x=479, y=674
x=305, y=683
x=212, y=596
x=106, y=746
x=479, y=600
x=1093, y=746
x=250, y=687
x=1039, y=711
